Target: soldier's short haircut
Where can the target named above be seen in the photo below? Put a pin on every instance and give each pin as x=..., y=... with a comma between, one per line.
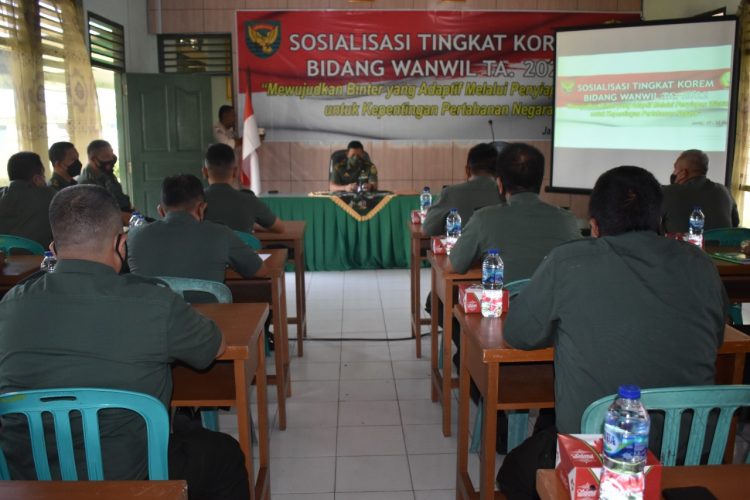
x=97, y=145
x=226, y=108
x=58, y=151
x=84, y=216
x=220, y=160
x=181, y=191
x=697, y=159
x=482, y=158
x=626, y=199
x=354, y=145
x=520, y=168
x=24, y=166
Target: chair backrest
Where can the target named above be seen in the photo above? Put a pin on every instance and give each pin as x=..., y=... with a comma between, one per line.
x=336, y=157
x=220, y=291
x=515, y=287
x=727, y=236
x=674, y=401
x=249, y=239
x=88, y=401
x=9, y=242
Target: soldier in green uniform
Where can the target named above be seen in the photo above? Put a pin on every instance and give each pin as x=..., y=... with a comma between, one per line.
x=183, y=244
x=84, y=325
x=346, y=174
x=25, y=202
x=65, y=165
x=99, y=171
x=480, y=190
x=525, y=229
x=239, y=209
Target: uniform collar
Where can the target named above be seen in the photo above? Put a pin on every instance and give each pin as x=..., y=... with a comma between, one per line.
x=21, y=184
x=77, y=266
x=523, y=198
x=220, y=186
x=483, y=179
x=180, y=217
x=696, y=180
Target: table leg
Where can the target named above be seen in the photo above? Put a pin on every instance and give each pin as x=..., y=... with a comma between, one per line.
x=285, y=326
x=281, y=348
x=416, y=322
x=463, y=420
x=299, y=281
x=489, y=429
x=242, y=405
x=262, y=485
x=434, y=345
x=447, y=359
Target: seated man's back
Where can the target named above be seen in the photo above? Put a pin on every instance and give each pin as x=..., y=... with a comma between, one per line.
x=692, y=188
x=25, y=203
x=85, y=326
x=477, y=192
x=240, y=210
x=183, y=245
x=525, y=229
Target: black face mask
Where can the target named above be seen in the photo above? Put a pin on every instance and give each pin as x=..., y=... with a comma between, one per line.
x=74, y=168
x=108, y=165
x=123, y=258
x=672, y=178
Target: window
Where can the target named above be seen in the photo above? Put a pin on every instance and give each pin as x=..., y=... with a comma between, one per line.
x=195, y=54
x=106, y=44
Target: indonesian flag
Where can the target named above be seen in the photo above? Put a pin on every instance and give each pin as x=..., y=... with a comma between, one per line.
x=250, y=171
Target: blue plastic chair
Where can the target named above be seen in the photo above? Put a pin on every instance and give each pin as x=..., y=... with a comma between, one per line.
x=727, y=236
x=88, y=401
x=181, y=285
x=674, y=401
x=517, y=420
x=9, y=242
x=249, y=239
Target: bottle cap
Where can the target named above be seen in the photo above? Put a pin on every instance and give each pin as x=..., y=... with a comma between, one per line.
x=696, y=207
x=48, y=254
x=629, y=392
x=493, y=251
x=454, y=210
x=426, y=188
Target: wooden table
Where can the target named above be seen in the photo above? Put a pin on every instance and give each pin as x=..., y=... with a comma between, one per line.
x=736, y=277
x=17, y=268
x=292, y=237
x=512, y=379
x=419, y=245
x=270, y=287
x=723, y=481
x=93, y=490
x=227, y=381
x=445, y=288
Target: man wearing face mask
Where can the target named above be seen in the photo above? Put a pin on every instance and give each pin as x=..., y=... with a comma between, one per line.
x=65, y=165
x=100, y=171
x=185, y=245
x=347, y=172
x=25, y=202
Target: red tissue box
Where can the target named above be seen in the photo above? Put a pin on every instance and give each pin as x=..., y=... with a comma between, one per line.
x=438, y=245
x=470, y=298
x=415, y=217
x=579, y=465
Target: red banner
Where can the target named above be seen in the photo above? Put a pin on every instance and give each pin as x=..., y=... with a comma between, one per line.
x=402, y=74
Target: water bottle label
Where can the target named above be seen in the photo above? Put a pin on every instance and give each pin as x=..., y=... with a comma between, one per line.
x=625, y=446
x=492, y=277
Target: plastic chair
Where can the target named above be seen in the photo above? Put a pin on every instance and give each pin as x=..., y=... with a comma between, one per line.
x=249, y=239
x=727, y=236
x=181, y=285
x=88, y=401
x=674, y=401
x=9, y=242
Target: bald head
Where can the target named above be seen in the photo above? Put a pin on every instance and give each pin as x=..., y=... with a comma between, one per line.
x=84, y=219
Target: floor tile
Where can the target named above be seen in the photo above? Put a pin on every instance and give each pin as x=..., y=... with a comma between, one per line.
x=428, y=439
x=420, y=411
x=302, y=369
x=368, y=413
x=364, y=370
x=316, y=391
x=416, y=368
x=305, y=496
x=406, y=350
x=413, y=388
x=363, y=320
x=435, y=495
x=433, y=472
x=322, y=351
x=303, y=475
x=301, y=442
x=373, y=440
x=365, y=351
x=367, y=390
x=305, y=415
x=389, y=495
x=389, y=473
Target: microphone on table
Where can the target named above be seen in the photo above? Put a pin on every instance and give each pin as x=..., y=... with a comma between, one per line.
x=492, y=130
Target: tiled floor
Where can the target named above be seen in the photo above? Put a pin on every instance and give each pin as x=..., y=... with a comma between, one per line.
x=361, y=425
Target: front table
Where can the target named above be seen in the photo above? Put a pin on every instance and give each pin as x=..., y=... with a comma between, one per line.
x=723, y=481
x=227, y=381
x=512, y=379
x=293, y=237
x=419, y=246
x=444, y=287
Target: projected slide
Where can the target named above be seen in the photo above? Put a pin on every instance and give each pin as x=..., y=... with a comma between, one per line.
x=639, y=96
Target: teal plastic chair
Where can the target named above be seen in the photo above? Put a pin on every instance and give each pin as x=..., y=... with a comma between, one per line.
x=88, y=401
x=674, y=401
x=9, y=242
x=249, y=240
x=181, y=285
x=727, y=236
x=517, y=420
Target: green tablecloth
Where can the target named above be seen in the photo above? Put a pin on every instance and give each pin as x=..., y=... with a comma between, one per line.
x=334, y=241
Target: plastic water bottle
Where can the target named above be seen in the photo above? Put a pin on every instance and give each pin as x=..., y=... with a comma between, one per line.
x=452, y=229
x=695, y=227
x=626, y=429
x=425, y=202
x=493, y=271
x=48, y=262
x=136, y=220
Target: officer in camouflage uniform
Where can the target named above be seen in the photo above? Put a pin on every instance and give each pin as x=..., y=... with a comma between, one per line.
x=346, y=173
